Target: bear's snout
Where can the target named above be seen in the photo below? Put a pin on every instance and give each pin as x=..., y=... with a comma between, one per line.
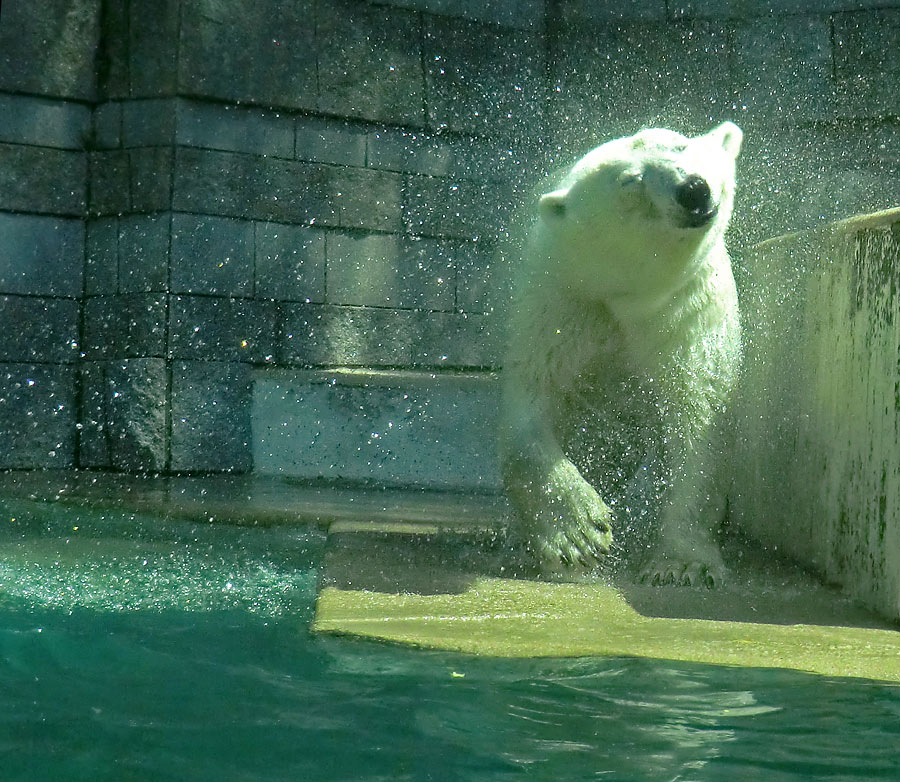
x=695, y=197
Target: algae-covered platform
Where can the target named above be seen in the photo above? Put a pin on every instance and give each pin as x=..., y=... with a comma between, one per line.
x=446, y=590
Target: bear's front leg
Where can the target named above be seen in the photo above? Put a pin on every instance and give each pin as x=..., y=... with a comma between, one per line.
x=565, y=523
x=687, y=552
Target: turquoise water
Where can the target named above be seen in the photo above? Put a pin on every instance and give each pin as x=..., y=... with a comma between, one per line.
x=136, y=650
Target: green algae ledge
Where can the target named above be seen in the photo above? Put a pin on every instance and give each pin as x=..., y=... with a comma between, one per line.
x=518, y=618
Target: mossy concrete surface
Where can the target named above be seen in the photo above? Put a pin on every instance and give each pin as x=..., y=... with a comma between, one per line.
x=447, y=591
x=818, y=419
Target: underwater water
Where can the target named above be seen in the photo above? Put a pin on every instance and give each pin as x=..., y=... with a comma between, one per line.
x=182, y=651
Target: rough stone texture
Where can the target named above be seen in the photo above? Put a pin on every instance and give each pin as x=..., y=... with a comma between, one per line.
x=387, y=428
x=606, y=10
x=782, y=68
x=290, y=262
x=523, y=14
x=37, y=415
x=244, y=186
x=212, y=255
x=385, y=270
x=211, y=416
x=465, y=209
x=369, y=62
x=143, y=253
x=211, y=328
x=867, y=62
x=234, y=129
x=41, y=255
x=125, y=326
x=48, y=48
x=330, y=141
x=42, y=179
x=609, y=80
x=38, y=329
x=101, y=269
x=326, y=335
x=817, y=419
x=730, y=9
x=46, y=123
x=150, y=179
x=483, y=79
x=124, y=411
x=265, y=52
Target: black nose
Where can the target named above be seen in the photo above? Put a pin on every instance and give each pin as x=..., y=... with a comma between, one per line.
x=694, y=194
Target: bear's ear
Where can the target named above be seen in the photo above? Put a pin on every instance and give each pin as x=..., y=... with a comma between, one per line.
x=729, y=136
x=552, y=207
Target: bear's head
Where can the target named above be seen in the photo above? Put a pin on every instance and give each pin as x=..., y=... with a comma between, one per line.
x=642, y=212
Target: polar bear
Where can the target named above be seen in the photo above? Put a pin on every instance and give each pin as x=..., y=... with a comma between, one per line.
x=624, y=348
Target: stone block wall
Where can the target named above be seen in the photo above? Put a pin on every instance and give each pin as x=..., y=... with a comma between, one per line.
x=196, y=197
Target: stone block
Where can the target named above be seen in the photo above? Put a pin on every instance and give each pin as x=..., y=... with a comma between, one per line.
x=125, y=326
x=326, y=335
x=250, y=187
x=483, y=79
x=124, y=409
x=210, y=328
x=153, y=53
x=211, y=403
x=748, y=9
x=521, y=14
x=782, y=68
x=264, y=52
x=460, y=340
x=816, y=421
x=611, y=80
x=330, y=141
x=37, y=416
x=234, y=129
x=465, y=209
x=389, y=428
x=143, y=253
x=411, y=151
x=38, y=329
x=102, y=256
x=867, y=62
x=112, y=63
x=46, y=123
x=49, y=48
x=607, y=11
x=148, y=122
x=41, y=179
x=41, y=255
x=151, y=179
x=368, y=199
x=386, y=270
x=484, y=278
x=107, y=125
x=212, y=255
x=290, y=262
x=109, y=188
x=369, y=62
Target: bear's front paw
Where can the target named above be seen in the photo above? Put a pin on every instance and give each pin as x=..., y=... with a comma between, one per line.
x=573, y=523
x=665, y=571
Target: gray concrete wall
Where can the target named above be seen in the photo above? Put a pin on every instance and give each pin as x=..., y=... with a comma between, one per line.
x=192, y=198
x=818, y=467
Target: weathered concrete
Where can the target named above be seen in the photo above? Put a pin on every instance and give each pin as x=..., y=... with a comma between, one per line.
x=818, y=468
x=389, y=428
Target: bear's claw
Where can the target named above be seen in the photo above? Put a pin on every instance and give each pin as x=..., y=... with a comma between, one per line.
x=694, y=573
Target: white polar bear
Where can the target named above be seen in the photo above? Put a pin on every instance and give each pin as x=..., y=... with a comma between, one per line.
x=624, y=349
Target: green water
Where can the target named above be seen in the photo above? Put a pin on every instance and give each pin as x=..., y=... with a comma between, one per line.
x=136, y=650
